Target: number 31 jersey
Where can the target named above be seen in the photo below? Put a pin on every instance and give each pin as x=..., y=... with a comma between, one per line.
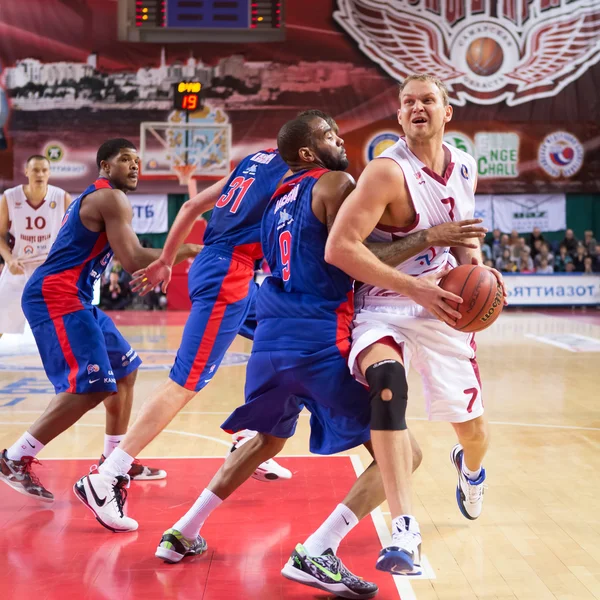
x=235, y=220
x=306, y=304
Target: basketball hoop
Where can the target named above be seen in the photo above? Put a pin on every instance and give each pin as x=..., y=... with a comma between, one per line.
x=184, y=173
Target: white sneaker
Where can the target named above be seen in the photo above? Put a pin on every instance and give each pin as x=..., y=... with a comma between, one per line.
x=469, y=494
x=403, y=557
x=105, y=496
x=270, y=470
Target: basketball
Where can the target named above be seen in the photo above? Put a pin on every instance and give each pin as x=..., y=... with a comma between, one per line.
x=481, y=294
x=485, y=56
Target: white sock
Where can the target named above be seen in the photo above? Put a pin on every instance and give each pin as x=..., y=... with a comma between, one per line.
x=118, y=463
x=472, y=475
x=111, y=442
x=189, y=525
x=335, y=528
x=26, y=445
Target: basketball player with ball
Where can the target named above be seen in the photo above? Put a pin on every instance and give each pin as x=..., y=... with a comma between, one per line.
x=418, y=183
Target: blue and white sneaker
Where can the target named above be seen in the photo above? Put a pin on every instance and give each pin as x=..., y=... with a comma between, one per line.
x=469, y=494
x=403, y=557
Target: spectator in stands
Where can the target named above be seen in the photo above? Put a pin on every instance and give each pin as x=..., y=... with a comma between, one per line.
x=570, y=267
x=589, y=241
x=546, y=254
x=498, y=250
x=536, y=234
x=503, y=260
x=489, y=263
x=514, y=237
x=485, y=250
x=510, y=267
x=495, y=241
x=579, y=258
x=517, y=248
x=536, y=248
x=525, y=262
x=562, y=260
x=544, y=267
x=570, y=242
x=112, y=295
x=596, y=266
x=588, y=264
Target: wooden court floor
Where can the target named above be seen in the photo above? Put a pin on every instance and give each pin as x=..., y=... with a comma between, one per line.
x=539, y=535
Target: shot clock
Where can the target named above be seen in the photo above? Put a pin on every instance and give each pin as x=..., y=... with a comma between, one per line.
x=187, y=95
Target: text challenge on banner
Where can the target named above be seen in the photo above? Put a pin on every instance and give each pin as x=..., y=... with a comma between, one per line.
x=150, y=213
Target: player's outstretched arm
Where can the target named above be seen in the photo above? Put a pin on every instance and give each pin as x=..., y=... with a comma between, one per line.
x=12, y=264
x=117, y=214
x=160, y=270
x=186, y=217
x=454, y=234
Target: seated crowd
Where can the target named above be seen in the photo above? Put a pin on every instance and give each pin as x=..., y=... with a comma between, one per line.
x=533, y=254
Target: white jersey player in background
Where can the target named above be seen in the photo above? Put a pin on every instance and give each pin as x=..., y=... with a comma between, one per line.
x=32, y=214
x=416, y=184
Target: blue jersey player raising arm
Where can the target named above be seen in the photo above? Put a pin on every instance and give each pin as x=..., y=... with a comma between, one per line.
x=85, y=357
x=222, y=291
x=299, y=357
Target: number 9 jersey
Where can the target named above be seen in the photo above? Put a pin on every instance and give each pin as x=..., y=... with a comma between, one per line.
x=293, y=242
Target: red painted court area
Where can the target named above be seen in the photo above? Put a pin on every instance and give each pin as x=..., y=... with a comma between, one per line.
x=60, y=551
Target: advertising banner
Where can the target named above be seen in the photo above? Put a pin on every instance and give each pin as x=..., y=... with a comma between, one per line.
x=556, y=290
x=524, y=212
x=150, y=213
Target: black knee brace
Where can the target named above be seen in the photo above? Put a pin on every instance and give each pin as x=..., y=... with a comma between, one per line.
x=388, y=415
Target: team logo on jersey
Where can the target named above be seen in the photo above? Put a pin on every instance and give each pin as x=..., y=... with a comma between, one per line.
x=560, y=154
x=105, y=259
x=379, y=143
x=426, y=259
x=251, y=170
x=261, y=157
x=92, y=369
x=28, y=250
x=419, y=177
x=464, y=172
x=486, y=51
x=284, y=219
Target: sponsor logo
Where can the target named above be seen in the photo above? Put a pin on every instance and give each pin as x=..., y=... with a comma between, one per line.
x=28, y=250
x=54, y=153
x=486, y=51
x=106, y=258
x=52, y=204
x=287, y=198
x=419, y=177
x=93, y=369
x=464, y=171
x=251, y=170
x=379, y=143
x=109, y=380
x=461, y=141
x=560, y=154
x=264, y=159
x=498, y=300
x=212, y=369
x=93, y=380
x=99, y=501
x=284, y=219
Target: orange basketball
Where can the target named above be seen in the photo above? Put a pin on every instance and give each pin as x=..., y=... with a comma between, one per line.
x=481, y=294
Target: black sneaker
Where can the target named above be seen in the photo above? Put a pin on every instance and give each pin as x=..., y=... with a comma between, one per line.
x=328, y=573
x=174, y=546
x=20, y=477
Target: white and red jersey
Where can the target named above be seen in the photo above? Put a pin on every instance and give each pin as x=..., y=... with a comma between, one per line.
x=436, y=200
x=34, y=229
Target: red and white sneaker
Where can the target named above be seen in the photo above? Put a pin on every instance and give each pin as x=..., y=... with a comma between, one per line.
x=19, y=476
x=270, y=470
x=140, y=472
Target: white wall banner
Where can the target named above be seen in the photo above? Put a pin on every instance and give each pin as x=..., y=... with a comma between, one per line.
x=483, y=210
x=524, y=212
x=531, y=290
x=150, y=213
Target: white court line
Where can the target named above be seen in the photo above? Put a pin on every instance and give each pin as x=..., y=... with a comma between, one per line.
x=9, y=410
x=405, y=591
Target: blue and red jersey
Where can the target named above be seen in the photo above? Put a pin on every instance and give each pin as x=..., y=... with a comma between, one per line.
x=64, y=283
x=235, y=220
x=306, y=304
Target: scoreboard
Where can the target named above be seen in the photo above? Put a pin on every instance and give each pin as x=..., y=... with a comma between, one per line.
x=165, y=21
